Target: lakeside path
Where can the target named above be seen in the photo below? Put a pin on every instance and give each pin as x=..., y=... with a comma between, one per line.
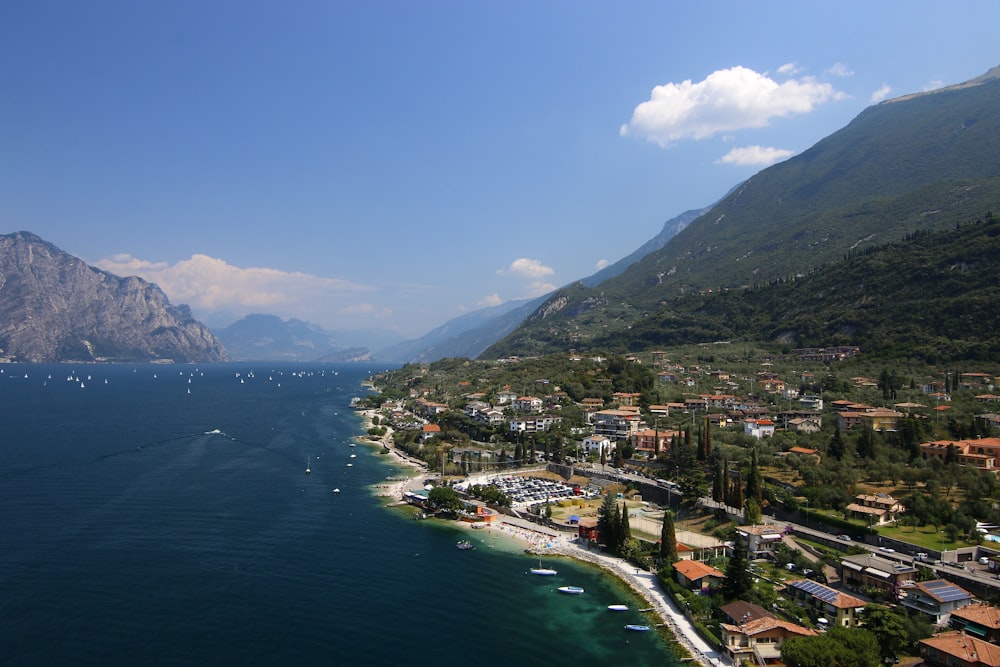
x=547, y=540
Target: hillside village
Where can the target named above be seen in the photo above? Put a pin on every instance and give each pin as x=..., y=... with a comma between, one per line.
x=851, y=496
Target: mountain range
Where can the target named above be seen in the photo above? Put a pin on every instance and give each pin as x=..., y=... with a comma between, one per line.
x=796, y=254
x=922, y=162
x=55, y=307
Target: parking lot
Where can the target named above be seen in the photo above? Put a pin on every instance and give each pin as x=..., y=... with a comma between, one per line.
x=528, y=491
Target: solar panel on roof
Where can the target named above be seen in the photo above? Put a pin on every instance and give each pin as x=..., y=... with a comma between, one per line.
x=817, y=590
x=945, y=591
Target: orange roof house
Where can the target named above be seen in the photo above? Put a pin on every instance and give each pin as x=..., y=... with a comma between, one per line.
x=957, y=649
x=695, y=575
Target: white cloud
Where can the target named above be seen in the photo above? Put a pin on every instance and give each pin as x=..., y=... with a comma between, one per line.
x=601, y=263
x=789, y=69
x=489, y=301
x=839, y=69
x=211, y=285
x=754, y=156
x=727, y=100
x=529, y=268
x=934, y=85
x=881, y=93
x=538, y=288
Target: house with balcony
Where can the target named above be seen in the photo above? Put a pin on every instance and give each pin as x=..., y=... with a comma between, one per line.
x=527, y=404
x=758, y=541
x=650, y=441
x=957, y=649
x=595, y=444
x=879, y=509
x=978, y=620
x=533, y=424
x=758, y=428
x=981, y=453
x=936, y=599
x=626, y=399
x=827, y=603
x=864, y=572
x=759, y=641
x=616, y=424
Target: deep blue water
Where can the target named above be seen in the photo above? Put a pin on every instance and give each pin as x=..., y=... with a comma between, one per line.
x=131, y=533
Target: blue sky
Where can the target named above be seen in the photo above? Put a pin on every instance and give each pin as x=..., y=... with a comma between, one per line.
x=394, y=164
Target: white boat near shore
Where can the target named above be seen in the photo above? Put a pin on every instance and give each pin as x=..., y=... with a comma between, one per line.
x=637, y=628
x=570, y=590
x=617, y=607
x=543, y=571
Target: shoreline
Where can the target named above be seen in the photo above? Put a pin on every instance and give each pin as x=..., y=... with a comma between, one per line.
x=533, y=540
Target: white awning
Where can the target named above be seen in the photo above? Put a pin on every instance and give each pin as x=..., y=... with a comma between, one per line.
x=770, y=537
x=877, y=573
x=852, y=566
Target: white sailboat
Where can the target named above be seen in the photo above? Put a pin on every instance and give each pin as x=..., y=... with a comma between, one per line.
x=543, y=571
x=308, y=461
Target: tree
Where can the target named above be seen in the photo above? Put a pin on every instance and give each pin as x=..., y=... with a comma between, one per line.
x=751, y=513
x=866, y=443
x=444, y=498
x=840, y=647
x=836, y=446
x=607, y=526
x=625, y=532
x=718, y=482
x=889, y=627
x=738, y=582
x=755, y=486
x=668, y=538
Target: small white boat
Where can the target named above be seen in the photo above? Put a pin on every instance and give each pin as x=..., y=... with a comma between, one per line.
x=637, y=628
x=336, y=491
x=307, y=466
x=617, y=607
x=353, y=456
x=465, y=545
x=543, y=571
x=350, y=465
x=570, y=590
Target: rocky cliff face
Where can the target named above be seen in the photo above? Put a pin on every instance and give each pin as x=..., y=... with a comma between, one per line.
x=55, y=307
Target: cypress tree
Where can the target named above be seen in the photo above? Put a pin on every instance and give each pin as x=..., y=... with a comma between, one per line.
x=754, y=482
x=668, y=539
x=606, y=520
x=836, y=446
x=738, y=582
x=707, y=446
x=718, y=482
x=626, y=529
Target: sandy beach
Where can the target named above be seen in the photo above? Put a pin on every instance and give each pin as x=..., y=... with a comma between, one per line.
x=525, y=535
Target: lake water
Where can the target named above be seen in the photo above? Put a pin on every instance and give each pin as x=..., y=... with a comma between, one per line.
x=161, y=514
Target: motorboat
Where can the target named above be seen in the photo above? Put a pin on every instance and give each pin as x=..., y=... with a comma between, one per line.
x=570, y=590
x=617, y=607
x=637, y=628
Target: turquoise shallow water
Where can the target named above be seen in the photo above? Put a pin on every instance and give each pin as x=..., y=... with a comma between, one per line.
x=161, y=514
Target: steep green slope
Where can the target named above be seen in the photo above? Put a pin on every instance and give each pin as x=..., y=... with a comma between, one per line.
x=928, y=161
x=932, y=297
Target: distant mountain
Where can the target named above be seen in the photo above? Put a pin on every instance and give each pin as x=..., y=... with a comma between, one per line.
x=269, y=338
x=464, y=336
x=468, y=335
x=54, y=307
x=923, y=162
x=671, y=228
